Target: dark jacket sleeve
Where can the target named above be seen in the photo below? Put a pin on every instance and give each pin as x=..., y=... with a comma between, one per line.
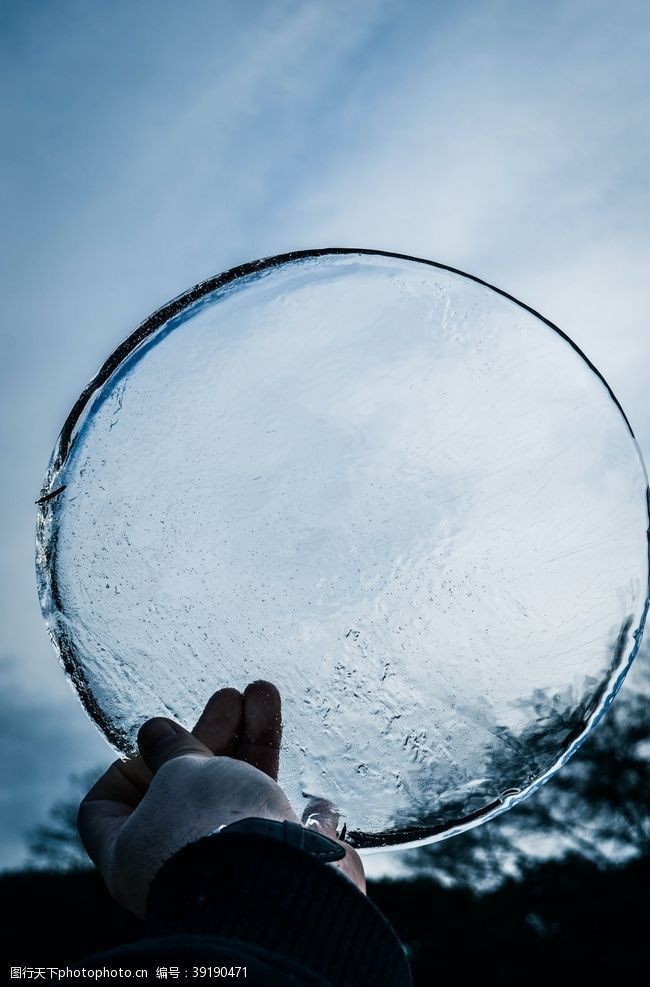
x=242, y=899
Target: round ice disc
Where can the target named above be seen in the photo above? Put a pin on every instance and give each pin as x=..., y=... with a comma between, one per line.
x=396, y=492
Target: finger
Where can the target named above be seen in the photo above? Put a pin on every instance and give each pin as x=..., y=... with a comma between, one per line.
x=221, y=722
x=352, y=866
x=125, y=782
x=259, y=744
x=161, y=740
x=109, y=803
x=323, y=816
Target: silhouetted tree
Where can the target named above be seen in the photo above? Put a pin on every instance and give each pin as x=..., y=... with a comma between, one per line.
x=596, y=807
x=55, y=844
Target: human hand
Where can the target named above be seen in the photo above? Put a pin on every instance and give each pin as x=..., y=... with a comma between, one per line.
x=184, y=785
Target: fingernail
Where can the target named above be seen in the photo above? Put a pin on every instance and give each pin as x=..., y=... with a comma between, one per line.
x=155, y=732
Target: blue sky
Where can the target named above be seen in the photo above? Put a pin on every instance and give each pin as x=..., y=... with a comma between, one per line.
x=148, y=145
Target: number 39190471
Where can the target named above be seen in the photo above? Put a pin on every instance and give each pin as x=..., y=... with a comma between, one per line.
x=218, y=971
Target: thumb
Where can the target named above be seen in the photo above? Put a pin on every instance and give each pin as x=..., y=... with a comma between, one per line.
x=160, y=740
